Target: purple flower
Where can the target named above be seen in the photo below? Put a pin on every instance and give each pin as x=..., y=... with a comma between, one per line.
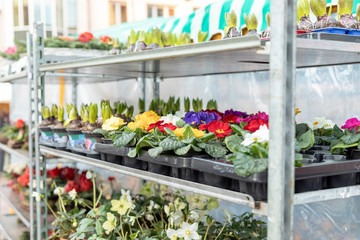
x=192, y=118
x=236, y=113
x=206, y=118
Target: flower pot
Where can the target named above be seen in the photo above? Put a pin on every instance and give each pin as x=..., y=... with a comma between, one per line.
x=135, y=163
x=90, y=140
x=60, y=137
x=46, y=135
x=107, y=141
x=342, y=180
x=76, y=139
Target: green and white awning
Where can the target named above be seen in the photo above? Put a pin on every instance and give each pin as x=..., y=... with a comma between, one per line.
x=210, y=19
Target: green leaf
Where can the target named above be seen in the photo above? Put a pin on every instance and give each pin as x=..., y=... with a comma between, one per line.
x=306, y=140
x=171, y=133
x=124, y=139
x=342, y=146
x=180, y=123
x=154, y=152
x=132, y=153
x=188, y=133
x=99, y=228
x=232, y=142
x=195, y=148
x=350, y=139
x=301, y=128
x=183, y=150
x=192, y=140
x=238, y=130
x=337, y=132
x=245, y=165
x=171, y=144
x=215, y=150
x=207, y=137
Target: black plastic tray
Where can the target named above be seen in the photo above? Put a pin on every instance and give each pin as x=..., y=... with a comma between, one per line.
x=85, y=152
x=170, y=165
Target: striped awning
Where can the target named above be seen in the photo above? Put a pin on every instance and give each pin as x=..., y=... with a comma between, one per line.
x=210, y=19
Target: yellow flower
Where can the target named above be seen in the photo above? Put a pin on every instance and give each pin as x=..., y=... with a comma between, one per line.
x=121, y=206
x=144, y=120
x=180, y=131
x=112, y=124
x=110, y=223
x=297, y=111
x=197, y=132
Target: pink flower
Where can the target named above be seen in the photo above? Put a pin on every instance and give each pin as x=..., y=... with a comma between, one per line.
x=351, y=123
x=11, y=50
x=245, y=120
x=261, y=115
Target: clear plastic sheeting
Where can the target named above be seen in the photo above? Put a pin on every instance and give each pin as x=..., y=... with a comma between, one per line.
x=335, y=219
x=332, y=92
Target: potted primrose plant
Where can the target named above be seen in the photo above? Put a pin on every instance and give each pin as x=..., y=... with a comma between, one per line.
x=73, y=128
x=47, y=135
x=59, y=131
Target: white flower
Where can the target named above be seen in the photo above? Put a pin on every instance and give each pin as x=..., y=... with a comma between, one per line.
x=149, y=217
x=73, y=194
x=329, y=124
x=189, y=232
x=196, y=201
x=194, y=216
x=172, y=234
x=176, y=217
x=260, y=136
x=180, y=114
x=41, y=184
x=170, y=119
x=132, y=220
x=37, y=196
x=126, y=194
x=90, y=174
x=59, y=190
x=179, y=205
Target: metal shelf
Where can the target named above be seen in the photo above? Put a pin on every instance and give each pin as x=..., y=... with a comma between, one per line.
x=10, y=228
x=14, y=77
x=13, y=201
x=236, y=197
x=248, y=53
x=219, y=193
x=20, y=153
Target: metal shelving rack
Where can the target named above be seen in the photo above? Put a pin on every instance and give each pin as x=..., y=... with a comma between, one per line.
x=245, y=54
x=7, y=222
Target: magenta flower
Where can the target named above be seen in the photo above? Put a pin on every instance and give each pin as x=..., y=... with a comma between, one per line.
x=351, y=123
x=11, y=50
x=261, y=115
x=245, y=120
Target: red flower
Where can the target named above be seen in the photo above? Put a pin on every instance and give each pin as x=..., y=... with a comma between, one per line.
x=111, y=179
x=25, y=178
x=105, y=39
x=53, y=173
x=85, y=37
x=84, y=183
x=161, y=126
x=220, y=129
x=231, y=118
x=70, y=185
x=167, y=125
x=19, y=123
x=203, y=127
x=254, y=125
x=154, y=125
x=68, y=173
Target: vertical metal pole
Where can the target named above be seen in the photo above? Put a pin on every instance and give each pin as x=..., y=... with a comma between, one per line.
x=282, y=120
x=36, y=75
x=143, y=81
x=31, y=93
x=156, y=82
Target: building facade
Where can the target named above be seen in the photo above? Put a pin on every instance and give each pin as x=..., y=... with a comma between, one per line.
x=70, y=17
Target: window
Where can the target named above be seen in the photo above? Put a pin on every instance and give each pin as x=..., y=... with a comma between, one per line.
x=171, y=12
x=155, y=11
x=118, y=13
x=160, y=12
